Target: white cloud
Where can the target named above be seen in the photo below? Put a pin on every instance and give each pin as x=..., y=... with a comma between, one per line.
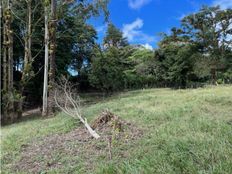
x=224, y=4
x=133, y=33
x=131, y=30
x=147, y=46
x=137, y=4
x=101, y=29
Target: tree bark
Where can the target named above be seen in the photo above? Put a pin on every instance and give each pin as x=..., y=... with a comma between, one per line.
x=27, y=55
x=10, y=67
x=29, y=30
x=52, y=50
x=5, y=71
x=4, y=58
x=45, y=87
x=9, y=46
x=8, y=110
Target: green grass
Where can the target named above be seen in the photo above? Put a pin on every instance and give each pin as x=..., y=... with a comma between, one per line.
x=184, y=131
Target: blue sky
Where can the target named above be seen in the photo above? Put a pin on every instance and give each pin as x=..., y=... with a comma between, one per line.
x=142, y=20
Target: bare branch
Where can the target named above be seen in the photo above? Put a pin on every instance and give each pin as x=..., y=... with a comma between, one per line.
x=18, y=17
x=19, y=39
x=70, y=105
x=33, y=58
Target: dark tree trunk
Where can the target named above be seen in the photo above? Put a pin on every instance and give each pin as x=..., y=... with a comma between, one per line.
x=9, y=111
x=52, y=50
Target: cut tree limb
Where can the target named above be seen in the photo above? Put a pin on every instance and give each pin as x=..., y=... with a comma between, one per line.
x=71, y=106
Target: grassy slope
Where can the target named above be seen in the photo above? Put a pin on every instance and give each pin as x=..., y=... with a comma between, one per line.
x=185, y=131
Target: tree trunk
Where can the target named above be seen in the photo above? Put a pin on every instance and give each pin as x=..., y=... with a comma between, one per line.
x=27, y=56
x=8, y=109
x=8, y=20
x=45, y=87
x=52, y=50
x=10, y=75
x=5, y=71
x=27, y=44
x=27, y=48
x=4, y=58
x=29, y=30
x=213, y=75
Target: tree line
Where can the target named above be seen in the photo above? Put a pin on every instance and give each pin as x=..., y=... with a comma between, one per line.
x=198, y=52
x=43, y=40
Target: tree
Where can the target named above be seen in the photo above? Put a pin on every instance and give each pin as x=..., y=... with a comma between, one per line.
x=174, y=59
x=108, y=64
x=46, y=41
x=114, y=38
x=52, y=50
x=27, y=45
x=211, y=29
x=8, y=92
x=140, y=72
x=107, y=70
x=85, y=41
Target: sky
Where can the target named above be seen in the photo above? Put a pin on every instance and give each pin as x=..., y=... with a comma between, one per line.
x=141, y=21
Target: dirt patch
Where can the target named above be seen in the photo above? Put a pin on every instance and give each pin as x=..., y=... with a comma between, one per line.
x=77, y=146
x=32, y=112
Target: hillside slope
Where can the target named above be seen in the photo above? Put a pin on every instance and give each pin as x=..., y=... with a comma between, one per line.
x=184, y=131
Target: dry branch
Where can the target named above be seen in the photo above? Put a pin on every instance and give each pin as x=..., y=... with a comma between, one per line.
x=67, y=101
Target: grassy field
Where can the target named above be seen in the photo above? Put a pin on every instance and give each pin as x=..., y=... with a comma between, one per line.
x=184, y=131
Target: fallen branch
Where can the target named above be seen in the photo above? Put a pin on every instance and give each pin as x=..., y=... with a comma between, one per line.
x=66, y=102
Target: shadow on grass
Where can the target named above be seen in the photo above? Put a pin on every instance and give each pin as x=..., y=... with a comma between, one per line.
x=29, y=115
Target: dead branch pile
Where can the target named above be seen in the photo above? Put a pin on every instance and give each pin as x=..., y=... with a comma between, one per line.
x=107, y=117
